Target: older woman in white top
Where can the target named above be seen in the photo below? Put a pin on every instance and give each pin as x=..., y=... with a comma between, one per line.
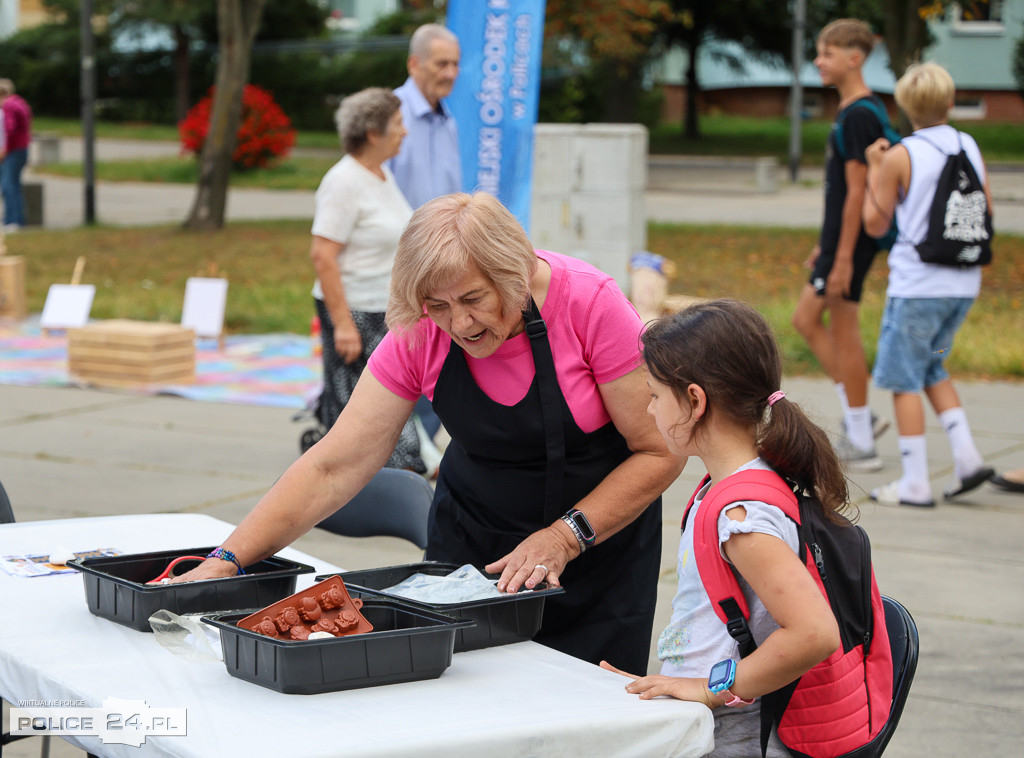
x=360, y=215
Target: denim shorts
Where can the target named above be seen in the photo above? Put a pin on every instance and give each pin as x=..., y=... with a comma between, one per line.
x=917, y=335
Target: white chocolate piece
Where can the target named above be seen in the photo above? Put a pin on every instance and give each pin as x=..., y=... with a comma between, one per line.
x=61, y=555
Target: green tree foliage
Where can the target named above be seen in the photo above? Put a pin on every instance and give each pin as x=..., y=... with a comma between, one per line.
x=615, y=39
x=762, y=27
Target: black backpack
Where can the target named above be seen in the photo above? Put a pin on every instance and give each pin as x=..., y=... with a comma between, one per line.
x=960, y=221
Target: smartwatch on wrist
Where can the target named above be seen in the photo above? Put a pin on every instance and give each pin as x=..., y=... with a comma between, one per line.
x=721, y=678
x=581, y=527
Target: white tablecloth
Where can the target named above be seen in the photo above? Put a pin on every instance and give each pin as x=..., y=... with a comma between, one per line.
x=514, y=700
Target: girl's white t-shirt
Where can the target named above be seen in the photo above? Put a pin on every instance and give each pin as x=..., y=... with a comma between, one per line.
x=695, y=638
x=367, y=215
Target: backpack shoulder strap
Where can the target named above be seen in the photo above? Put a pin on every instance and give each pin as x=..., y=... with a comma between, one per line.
x=876, y=107
x=716, y=573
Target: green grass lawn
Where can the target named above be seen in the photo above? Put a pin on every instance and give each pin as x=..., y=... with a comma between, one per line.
x=140, y=273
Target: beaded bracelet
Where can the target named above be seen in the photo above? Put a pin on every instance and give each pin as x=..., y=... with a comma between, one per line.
x=227, y=555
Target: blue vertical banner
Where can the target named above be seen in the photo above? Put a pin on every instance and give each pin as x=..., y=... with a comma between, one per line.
x=495, y=97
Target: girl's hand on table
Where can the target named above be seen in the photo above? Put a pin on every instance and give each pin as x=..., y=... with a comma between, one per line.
x=648, y=687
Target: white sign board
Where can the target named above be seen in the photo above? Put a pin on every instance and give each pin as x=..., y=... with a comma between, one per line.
x=67, y=306
x=205, y=300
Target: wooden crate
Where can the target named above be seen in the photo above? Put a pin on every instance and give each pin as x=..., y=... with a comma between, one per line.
x=12, y=287
x=122, y=353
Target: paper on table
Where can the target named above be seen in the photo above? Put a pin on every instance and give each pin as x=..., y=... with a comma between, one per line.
x=39, y=565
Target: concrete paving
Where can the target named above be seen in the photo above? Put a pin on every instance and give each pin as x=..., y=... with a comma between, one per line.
x=72, y=452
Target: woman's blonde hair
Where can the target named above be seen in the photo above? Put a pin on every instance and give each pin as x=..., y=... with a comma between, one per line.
x=925, y=93
x=444, y=240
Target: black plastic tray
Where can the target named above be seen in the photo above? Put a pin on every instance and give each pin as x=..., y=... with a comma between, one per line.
x=116, y=589
x=499, y=621
x=407, y=644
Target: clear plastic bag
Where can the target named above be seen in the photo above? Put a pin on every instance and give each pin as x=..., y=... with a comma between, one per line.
x=463, y=584
x=186, y=636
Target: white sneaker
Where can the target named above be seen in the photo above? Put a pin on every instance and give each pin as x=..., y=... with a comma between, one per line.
x=889, y=494
x=879, y=425
x=12, y=228
x=856, y=459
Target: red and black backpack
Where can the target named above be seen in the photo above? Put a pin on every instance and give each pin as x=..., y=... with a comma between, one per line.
x=839, y=706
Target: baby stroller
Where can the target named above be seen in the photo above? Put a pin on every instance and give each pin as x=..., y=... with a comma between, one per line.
x=311, y=411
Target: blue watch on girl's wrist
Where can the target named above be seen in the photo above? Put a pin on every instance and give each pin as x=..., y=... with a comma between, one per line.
x=721, y=678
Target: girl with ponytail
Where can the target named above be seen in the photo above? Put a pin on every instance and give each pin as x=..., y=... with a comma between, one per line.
x=714, y=375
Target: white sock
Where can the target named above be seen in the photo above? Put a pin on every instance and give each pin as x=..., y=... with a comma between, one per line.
x=843, y=402
x=858, y=427
x=966, y=458
x=914, y=484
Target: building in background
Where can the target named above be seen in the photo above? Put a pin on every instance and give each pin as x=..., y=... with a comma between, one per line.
x=975, y=46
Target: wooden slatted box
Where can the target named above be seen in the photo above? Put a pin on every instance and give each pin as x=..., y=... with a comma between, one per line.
x=12, y=286
x=123, y=353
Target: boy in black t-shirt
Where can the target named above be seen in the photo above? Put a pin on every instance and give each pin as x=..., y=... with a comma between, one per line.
x=840, y=261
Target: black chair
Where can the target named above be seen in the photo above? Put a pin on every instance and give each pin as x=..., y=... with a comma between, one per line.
x=6, y=511
x=903, y=641
x=395, y=503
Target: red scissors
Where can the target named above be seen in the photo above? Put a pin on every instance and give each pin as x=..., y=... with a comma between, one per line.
x=165, y=577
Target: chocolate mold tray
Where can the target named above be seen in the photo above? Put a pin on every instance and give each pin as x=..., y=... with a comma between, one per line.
x=116, y=589
x=497, y=621
x=407, y=644
x=325, y=607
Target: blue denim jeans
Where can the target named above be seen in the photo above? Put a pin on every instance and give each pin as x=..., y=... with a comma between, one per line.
x=10, y=186
x=916, y=338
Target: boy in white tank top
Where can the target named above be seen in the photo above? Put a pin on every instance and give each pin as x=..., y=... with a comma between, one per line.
x=925, y=302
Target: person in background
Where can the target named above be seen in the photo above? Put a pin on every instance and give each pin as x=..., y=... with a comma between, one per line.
x=842, y=258
x=360, y=214
x=428, y=164
x=554, y=472
x=925, y=303
x=13, y=154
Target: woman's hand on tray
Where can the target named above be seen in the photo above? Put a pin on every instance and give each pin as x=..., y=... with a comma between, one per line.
x=540, y=557
x=211, y=568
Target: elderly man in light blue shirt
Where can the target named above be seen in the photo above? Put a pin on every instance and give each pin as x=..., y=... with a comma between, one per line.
x=428, y=164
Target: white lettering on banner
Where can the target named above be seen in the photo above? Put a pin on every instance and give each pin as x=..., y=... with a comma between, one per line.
x=489, y=160
x=520, y=66
x=491, y=97
x=493, y=69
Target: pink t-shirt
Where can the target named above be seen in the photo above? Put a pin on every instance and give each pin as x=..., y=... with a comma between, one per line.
x=594, y=333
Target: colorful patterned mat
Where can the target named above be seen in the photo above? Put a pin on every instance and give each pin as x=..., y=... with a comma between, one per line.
x=276, y=370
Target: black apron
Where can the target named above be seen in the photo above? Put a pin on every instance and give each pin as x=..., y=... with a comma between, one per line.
x=490, y=496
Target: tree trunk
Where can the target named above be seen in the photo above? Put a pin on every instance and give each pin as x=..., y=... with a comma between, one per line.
x=181, y=73
x=905, y=34
x=622, y=83
x=237, y=22
x=691, y=123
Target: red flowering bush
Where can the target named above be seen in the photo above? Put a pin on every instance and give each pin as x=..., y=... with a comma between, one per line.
x=264, y=134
